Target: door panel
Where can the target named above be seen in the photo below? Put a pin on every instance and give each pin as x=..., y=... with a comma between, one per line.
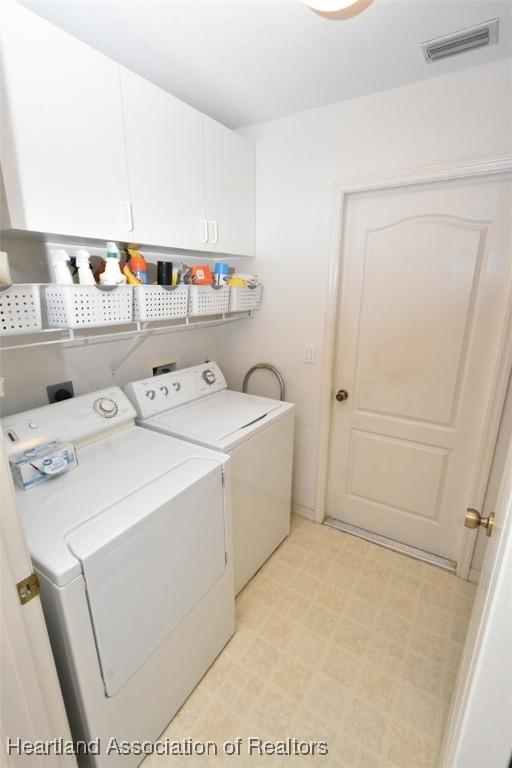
x=424, y=270
x=396, y=473
x=424, y=296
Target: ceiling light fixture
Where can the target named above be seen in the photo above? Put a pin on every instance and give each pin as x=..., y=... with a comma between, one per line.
x=337, y=9
x=330, y=6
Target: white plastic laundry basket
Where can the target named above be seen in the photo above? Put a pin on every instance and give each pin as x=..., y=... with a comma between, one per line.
x=20, y=309
x=243, y=298
x=207, y=300
x=157, y=302
x=81, y=306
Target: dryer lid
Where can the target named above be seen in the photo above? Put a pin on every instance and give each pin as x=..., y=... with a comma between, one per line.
x=217, y=417
x=147, y=561
x=109, y=473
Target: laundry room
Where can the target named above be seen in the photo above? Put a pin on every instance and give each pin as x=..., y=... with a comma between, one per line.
x=256, y=447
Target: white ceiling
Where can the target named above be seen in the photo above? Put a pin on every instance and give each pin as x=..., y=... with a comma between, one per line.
x=247, y=61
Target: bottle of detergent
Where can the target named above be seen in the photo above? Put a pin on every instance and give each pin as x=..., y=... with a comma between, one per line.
x=138, y=264
x=85, y=275
x=112, y=274
x=60, y=265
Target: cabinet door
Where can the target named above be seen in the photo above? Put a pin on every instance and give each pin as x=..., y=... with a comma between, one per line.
x=229, y=189
x=63, y=159
x=165, y=162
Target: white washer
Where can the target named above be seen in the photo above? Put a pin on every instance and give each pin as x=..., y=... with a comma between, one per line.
x=195, y=405
x=133, y=553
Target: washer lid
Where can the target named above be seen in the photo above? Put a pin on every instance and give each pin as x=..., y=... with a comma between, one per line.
x=217, y=417
x=108, y=477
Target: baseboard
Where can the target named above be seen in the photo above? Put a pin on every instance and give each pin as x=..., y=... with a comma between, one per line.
x=309, y=514
x=474, y=576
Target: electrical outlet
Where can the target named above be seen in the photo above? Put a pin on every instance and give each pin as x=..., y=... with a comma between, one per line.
x=61, y=391
x=162, y=366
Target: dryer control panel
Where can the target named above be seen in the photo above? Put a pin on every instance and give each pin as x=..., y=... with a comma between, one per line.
x=77, y=420
x=169, y=390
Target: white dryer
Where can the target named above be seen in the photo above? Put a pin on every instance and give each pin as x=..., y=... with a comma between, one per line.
x=133, y=553
x=194, y=404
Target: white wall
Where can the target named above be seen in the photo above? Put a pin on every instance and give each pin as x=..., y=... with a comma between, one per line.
x=466, y=115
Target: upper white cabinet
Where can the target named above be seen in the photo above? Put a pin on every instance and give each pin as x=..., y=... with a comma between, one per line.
x=165, y=164
x=90, y=149
x=191, y=179
x=63, y=156
x=229, y=189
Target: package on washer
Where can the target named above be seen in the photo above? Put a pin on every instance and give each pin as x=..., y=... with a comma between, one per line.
x=35, y=465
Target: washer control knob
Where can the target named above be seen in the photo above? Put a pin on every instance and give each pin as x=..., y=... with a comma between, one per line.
x=105, y=407
x=150, y=393
x=164, y=390
x=209, y=376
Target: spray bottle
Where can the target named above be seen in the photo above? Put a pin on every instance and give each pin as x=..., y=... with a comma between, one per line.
x=112, y=274
x=85, y=275
x=61, y=271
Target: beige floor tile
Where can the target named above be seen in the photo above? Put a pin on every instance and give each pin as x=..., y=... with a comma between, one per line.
x=351, y=637
x=337, y=639
x=367, y=725
x=423, y=674
x=376, y=687
x=363, y=611
x=341, y=667
x=409, y=749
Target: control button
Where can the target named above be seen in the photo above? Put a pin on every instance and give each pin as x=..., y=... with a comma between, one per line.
x=151, y=394
x=164, y=390
x=209, y=376
x=176, y=386
x=105, y=407
x=32, y=425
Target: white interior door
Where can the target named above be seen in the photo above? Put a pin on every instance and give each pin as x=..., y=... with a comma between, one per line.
x=424, y=298
x=31, y=704
x=478, y=733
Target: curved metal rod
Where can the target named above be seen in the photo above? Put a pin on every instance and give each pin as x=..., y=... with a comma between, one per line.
x=266, y=367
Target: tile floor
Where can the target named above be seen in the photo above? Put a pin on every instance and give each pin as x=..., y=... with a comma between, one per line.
x=338, y=640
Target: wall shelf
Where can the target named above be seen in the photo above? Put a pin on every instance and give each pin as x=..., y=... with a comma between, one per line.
x=72, y=337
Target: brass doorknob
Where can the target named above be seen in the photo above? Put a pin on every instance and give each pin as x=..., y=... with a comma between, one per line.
x=341, y=395
x=473, y=519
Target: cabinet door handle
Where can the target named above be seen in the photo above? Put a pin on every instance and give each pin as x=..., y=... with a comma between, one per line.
x=127, y=216
x=204, y=231
x=215, y=227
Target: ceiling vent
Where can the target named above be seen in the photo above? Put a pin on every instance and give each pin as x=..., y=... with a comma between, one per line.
x=473, y=37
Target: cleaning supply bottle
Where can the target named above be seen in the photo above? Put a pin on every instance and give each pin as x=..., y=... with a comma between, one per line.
x=61, y=271
x=130, y=277
x=112, y=274
x=138, y=264
x=85, y=275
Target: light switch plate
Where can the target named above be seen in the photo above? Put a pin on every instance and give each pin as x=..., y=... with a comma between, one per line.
x=309, y=355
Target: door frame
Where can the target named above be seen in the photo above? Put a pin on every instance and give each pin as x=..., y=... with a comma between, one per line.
x=493, y=166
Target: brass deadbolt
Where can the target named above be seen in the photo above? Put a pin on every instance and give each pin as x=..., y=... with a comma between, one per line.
x=474, y=519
